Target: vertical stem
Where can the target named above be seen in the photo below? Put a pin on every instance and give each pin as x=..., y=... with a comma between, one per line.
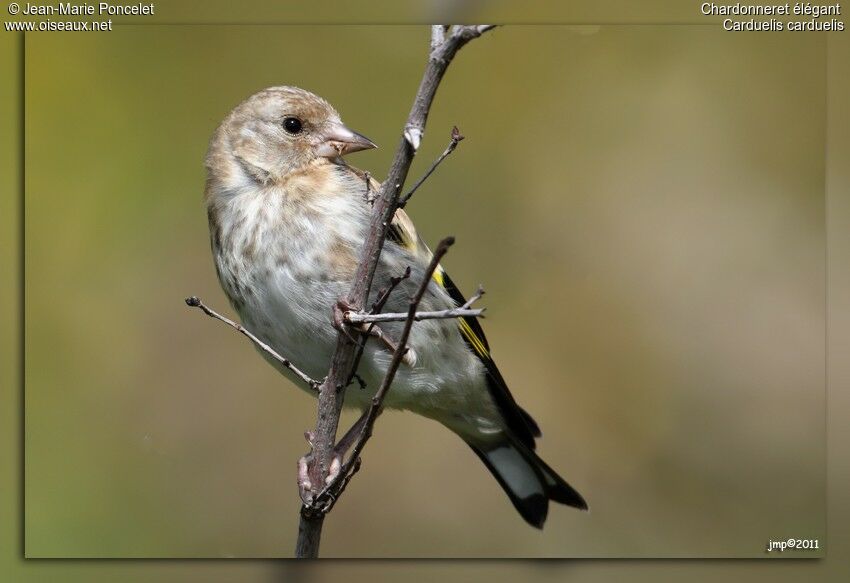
x=332, y=391
x=309, y=536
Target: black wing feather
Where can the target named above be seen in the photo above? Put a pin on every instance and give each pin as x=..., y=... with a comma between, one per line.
x=521, y=424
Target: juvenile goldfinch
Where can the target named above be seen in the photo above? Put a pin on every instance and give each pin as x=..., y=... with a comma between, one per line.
x=287, y=218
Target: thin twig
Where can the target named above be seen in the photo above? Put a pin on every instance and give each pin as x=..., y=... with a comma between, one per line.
x=455, y=140
x=378, y=400
x=474, y=297
x=353, y=318
x=375, y=316
x=195, y=302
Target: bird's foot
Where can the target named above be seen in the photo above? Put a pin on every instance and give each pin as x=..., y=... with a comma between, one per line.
x=305, y=486
x=409, y=357
x=305, y=469
x=342, y=307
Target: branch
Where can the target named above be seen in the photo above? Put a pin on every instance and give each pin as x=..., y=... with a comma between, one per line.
x=438, y=35
x=195, y=302
x=455, y=140
x=332, y=390
x=332, y=490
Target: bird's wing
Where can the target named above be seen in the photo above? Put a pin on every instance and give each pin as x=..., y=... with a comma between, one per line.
x=403, y=233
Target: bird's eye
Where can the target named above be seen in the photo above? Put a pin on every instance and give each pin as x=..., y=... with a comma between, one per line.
x=292, y=125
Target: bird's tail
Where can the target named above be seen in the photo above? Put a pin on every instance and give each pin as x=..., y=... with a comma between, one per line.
x=528, y=481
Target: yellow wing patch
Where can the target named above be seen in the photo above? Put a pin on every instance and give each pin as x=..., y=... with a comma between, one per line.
x=465, y=329
x=474, y=340
x=438, y=276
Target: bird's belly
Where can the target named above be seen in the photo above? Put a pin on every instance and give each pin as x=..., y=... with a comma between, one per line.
x=294, y=316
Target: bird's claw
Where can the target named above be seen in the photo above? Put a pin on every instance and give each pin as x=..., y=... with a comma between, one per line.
x=341, y=307
x=333, y=471
x=305, y=484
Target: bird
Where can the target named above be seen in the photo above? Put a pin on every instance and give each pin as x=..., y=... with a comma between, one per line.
x=287, y=217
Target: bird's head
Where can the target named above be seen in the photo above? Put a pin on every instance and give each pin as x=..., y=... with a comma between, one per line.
x=278, y=131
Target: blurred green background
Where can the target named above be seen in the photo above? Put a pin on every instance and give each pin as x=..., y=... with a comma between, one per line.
x=645, y=206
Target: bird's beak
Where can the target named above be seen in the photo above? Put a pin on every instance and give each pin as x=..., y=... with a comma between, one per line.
x=339, y=140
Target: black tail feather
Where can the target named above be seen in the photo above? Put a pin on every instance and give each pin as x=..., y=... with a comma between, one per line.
x=527, y=480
